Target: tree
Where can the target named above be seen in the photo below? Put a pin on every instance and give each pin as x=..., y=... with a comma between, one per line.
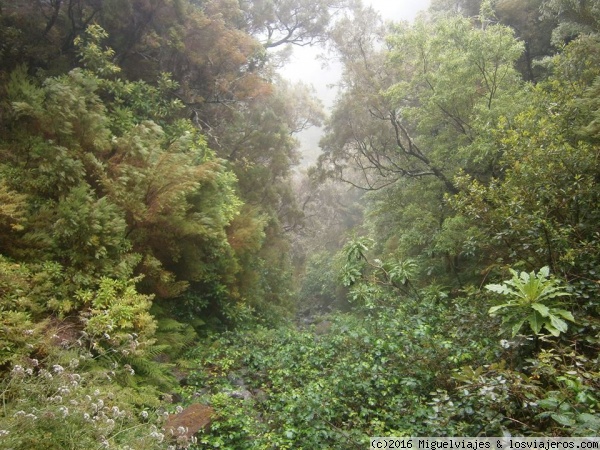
x=281, y=22
x=405, y=115
x=540, y=209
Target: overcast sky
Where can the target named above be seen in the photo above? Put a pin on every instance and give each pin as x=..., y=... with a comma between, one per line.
x=304, y=65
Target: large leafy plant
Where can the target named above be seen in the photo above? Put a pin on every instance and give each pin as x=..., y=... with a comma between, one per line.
x=534, y=300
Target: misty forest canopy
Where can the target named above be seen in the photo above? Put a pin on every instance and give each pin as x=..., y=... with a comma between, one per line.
x=164, y=267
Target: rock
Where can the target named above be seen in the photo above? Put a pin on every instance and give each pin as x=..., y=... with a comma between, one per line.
x=243, y=394
x=188, y=422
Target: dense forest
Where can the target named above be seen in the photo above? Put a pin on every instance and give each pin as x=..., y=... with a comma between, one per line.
x=170, y=279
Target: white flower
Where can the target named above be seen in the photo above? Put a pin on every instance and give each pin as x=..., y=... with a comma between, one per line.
x=58, y=368
x=144, y=414
x=158, y=436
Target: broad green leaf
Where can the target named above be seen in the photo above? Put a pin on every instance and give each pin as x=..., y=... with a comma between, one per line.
x=542, y=309
x=565, y=314
x=553, y=331
x=517, y=326
x=500, y=289
x=536, y=321
x=493, y=309
x=589, y=419
x=559, y=324
x=563, y=419
x=548, y=403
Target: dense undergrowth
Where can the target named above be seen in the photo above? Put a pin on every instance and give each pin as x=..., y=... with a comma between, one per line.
x=154, y=250
x=412, y=368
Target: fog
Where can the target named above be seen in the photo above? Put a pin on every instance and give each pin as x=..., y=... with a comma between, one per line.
x=310, y=65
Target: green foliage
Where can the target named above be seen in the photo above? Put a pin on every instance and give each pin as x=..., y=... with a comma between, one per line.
x=533, y=299
x=92, y=56
x=340, y=381
x=118, y=317
x=62, y=403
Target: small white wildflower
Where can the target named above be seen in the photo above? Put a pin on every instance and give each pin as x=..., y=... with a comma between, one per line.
x=58, y=368
x=4, y=433
x=110, y=422
x=46, y=374
x=74, y=363
x=29, y=371
x=97, y=392
x=106, y=336
x=28, y=332
x=86, y=416
x=158, y=436
x=144, y=414
x=181, y=430
x=504, y=343
x=35, y=362
x=63, y=390
x=104, y=443
x=182, y=441
x=179, y=409
x=64, y=410
x=31, y=416
x=18, y=370
x=73, y=402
